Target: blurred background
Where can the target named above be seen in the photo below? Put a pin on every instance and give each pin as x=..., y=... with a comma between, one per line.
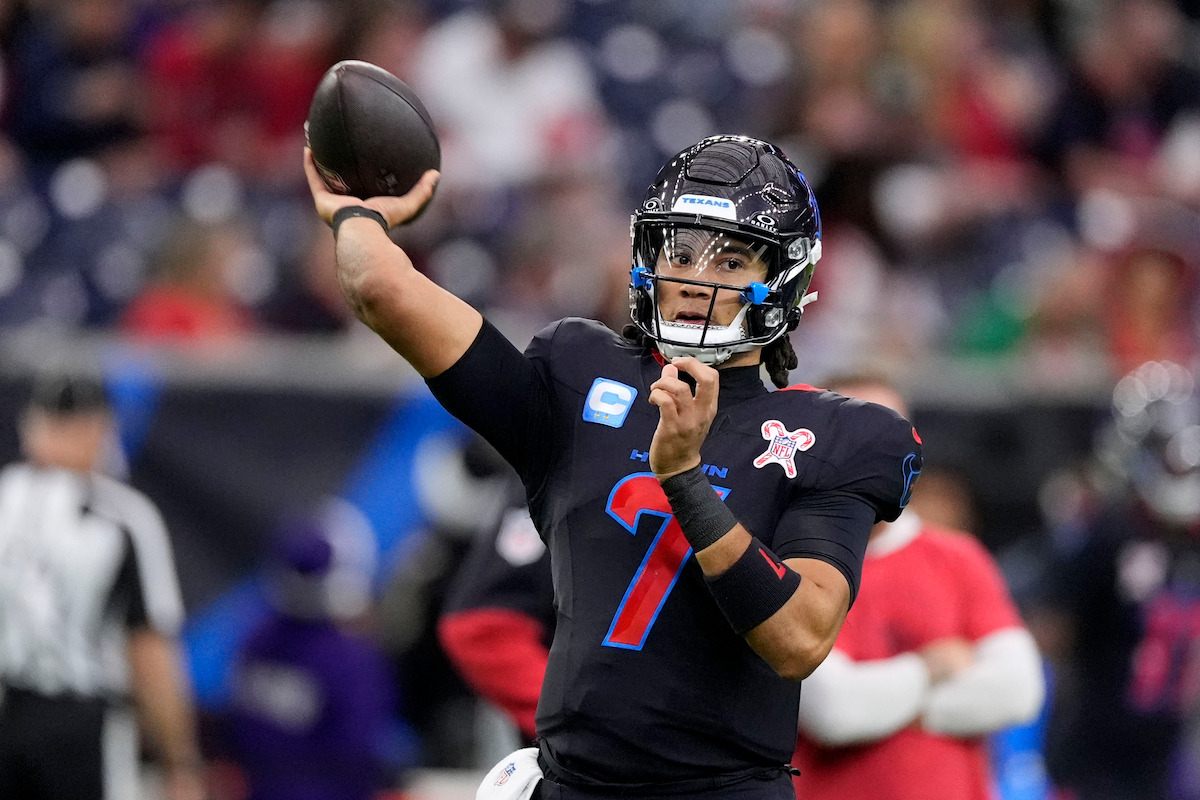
x=1009, y=191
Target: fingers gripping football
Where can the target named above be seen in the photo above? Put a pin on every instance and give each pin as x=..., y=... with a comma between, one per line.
x=684, y=419
x=396, y=210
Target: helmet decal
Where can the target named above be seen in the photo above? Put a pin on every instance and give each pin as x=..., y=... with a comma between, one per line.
x=705, y=206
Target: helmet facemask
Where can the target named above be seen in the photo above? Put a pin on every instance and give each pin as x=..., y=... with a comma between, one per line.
x=768, y=282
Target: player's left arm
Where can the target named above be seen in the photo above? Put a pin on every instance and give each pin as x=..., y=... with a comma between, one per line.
x=789, y=612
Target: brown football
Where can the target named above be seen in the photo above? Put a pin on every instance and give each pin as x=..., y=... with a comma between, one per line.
x=369, y=132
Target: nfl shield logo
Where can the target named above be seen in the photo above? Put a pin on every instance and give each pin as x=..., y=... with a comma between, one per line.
x=506, y=773
x=782, y=447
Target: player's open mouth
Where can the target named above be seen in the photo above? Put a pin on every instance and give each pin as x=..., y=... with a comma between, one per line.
x=690, y=318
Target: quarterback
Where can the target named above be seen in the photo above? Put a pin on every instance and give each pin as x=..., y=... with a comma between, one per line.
x=706, y=535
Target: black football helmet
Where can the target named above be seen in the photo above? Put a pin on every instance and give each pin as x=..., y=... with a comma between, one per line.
x=1153, y=443
x=740, y=189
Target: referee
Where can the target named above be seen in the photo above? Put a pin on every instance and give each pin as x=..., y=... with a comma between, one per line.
x=89, y=615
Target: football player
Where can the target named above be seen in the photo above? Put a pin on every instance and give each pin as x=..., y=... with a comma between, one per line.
x=706, y=534
x=1125, y=593
x=498, y=620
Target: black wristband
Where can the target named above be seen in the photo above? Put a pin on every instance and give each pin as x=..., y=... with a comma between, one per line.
x=346, y=212
x=754, y=588
x=698, y=508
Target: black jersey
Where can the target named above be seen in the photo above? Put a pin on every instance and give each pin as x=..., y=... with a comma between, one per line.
x=646, y=681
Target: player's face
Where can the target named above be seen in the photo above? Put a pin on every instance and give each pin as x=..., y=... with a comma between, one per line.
x=713, y=257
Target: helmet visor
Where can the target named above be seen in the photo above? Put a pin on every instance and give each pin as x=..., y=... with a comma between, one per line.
x=681, y=253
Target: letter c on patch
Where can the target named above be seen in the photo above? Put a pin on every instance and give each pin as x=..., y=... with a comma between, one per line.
x=608, y=402
x=610, y=398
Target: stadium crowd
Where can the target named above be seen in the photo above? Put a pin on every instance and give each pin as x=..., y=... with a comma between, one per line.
x=1010, y=177
x=1010, y=182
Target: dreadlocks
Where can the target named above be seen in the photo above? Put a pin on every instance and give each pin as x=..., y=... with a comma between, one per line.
x=780, y=359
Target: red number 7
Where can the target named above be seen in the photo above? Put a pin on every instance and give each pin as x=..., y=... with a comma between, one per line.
x=633, y=496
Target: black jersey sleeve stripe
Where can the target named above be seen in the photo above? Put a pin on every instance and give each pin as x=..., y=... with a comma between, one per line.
x=498, y=392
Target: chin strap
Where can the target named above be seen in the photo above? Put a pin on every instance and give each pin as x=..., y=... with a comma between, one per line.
x=710, y=356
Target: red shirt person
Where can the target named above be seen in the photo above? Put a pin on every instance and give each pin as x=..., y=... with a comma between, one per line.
x=933, y=657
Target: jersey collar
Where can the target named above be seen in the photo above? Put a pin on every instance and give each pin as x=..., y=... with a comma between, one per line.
x=740, y=383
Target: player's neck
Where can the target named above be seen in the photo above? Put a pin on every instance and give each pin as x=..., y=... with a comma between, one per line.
x=740, y=383
x=751, y=358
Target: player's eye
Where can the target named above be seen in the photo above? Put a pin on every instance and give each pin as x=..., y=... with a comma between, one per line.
x=679, y=260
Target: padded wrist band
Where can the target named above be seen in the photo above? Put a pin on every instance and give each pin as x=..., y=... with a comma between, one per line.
x=346, y=212
x=754, y=588
x=698, y=508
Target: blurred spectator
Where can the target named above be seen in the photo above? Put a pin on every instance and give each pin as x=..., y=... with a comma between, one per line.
x=191, y=298
x=74, y=85
x=90, y=611
x=311, y=717
x=837, y=97
x=387, y=33
x=1126, y=593
x=231, y=81
x=1061, y=316
x=1129, y=83
x=1152, y=310
x=932, y=658
x=513, y=99
x=311, y=302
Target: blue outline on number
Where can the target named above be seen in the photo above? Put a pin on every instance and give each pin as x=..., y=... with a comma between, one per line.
x=633, y=582
x=666, y=519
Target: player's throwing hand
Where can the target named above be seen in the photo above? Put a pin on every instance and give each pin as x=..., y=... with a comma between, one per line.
x=685, y=418
x=395, y=210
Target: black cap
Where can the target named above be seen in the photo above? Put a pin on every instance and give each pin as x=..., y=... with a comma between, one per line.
x=68, y=394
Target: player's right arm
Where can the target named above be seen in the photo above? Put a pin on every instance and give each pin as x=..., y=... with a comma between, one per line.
x=427, y=325
x=472, y=369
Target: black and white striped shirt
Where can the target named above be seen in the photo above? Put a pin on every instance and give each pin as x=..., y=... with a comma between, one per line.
x=83, y=559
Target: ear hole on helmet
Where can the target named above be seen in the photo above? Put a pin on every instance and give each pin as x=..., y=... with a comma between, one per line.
x=800, y=249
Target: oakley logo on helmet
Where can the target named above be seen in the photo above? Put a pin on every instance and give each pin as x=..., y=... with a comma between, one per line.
x=706, y=206
x=608, y=402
